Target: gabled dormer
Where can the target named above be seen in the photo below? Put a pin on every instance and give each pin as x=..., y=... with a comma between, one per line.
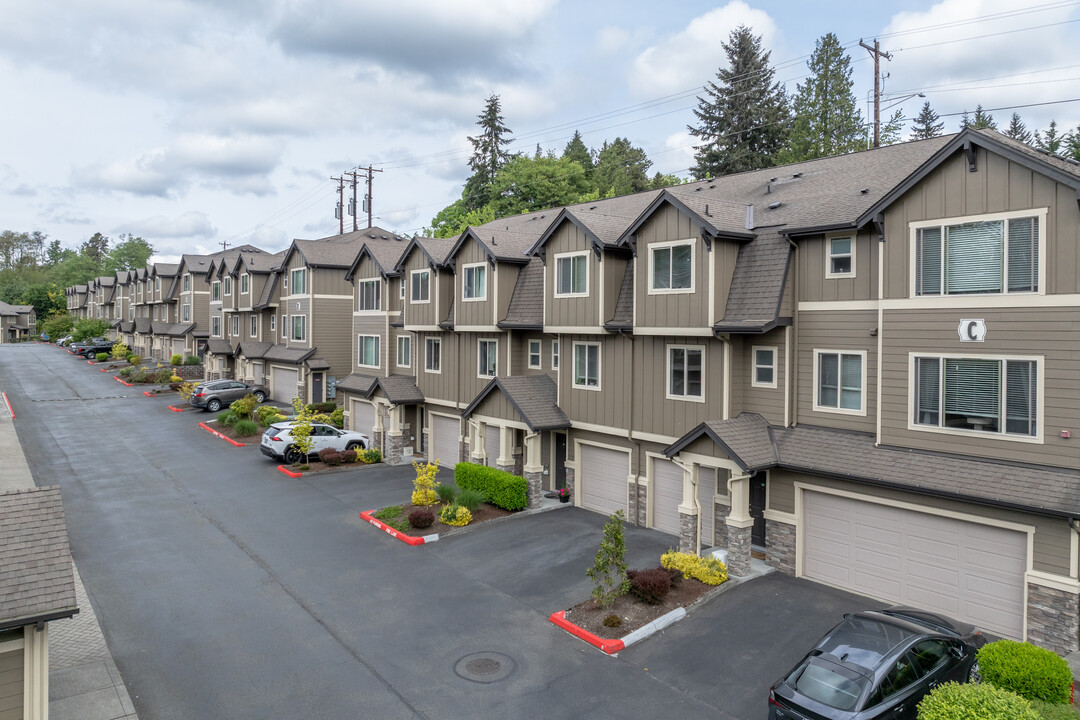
x=428, y=283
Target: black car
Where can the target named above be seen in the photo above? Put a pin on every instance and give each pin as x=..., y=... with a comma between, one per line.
x=91, y=350
x=876, y=664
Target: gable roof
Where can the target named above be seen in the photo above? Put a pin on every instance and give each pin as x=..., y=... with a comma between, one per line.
x=526, y=308
x=385, y=248
x=533, y=396
x=398, y=389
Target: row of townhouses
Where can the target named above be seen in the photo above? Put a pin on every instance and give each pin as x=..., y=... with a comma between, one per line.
x=17, y=322
x=862, y=368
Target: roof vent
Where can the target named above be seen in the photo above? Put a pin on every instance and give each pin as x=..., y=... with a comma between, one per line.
x=797, y=175
x=697, y=189
x=864, y=190
x=371, y=235
x=385, y=238
x=712, y=186
x=775, y=205
x=772, y=179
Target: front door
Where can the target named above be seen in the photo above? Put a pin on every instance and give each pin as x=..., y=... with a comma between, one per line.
x=316, y=387
x=560, y=460
x=757, y=508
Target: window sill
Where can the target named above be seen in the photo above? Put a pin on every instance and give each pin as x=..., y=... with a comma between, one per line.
x=840, y=411
x=955, y=432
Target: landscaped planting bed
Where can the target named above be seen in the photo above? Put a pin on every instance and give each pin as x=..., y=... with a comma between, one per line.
x=633, y=613
x=396, y=516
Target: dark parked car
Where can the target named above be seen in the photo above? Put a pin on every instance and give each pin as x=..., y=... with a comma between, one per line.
x=876, y=664
x=215, y=394
x=90, y=350
x=78, y=347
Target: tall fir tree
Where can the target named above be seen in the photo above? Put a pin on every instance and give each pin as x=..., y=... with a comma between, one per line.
x=488, y=153
x=1017, y=130
x=576, y=151
x=743, y=116
x=826, y=118
x=926, y=125
x=1050, y=140
x=621, y=169
x=981, y=120
x=892, y=128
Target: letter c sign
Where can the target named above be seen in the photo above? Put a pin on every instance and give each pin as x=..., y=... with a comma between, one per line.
x=972, y=331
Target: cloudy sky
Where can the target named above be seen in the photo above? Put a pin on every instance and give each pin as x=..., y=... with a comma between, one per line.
x=198, y=122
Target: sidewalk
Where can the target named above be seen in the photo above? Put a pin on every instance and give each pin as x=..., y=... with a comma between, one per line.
x=84, y=683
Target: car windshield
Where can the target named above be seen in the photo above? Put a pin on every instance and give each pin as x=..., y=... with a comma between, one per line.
x=830, y=684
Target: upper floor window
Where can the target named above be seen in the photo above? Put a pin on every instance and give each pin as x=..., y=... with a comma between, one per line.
x=401, y=289
x=995, y=255
x=433, y=355
x=977, y=394
x=764, y=372
x=572, y=274
x=299, y=281
x=254, y=329
x=245, y=284
x=841, y=377
x=421, y=286
x=215, y=291
x=298, y=322
x=534, y=353
x=841, y=259
x=228, y=285
x=671, y=267
x=554, y=354
x=273, y=325
x=684, y=373
x=187, y=282
x=488, y=358
x=369, y=295
x=234, y=325
x=284, y=326
x=215, y=326
x=587, y=365
x=474, y=282
x=404, y=351
x=368, y=351
x=157, y=283
x=186, y=313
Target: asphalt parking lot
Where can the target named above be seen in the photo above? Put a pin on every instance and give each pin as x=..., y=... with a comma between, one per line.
x=227, y=590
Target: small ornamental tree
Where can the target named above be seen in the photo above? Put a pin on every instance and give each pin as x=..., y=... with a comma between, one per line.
x=120, y=350
x=608, y=571
x=301, y=429
x=424, y=492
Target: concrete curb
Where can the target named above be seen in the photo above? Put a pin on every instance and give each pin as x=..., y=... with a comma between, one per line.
x=408, y=540
x=147, y=393
x=226, y=438
x=612, y=647
x=290, y=473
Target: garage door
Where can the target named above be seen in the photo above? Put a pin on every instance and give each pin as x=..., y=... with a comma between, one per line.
x=444, y=440
x=362, y=417
x=11, y=683
x=283, y=382
x=966, y=570
x=602, y=478
x=491, y=444
x=706, y=493
x=178, y=346
x=666, y=487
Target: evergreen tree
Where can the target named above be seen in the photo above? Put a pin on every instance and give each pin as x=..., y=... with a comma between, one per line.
x=743, y=115
x=890, y=131
x=576, y=151
x=926, y=125
x=1050, y=140
x=827, y=120
x=488, y=153
x=1072, y=144
x=1017, y=130
x=982, y=119
x=621, y=169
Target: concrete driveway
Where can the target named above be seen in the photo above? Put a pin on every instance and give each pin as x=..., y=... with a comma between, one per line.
x=227, y=590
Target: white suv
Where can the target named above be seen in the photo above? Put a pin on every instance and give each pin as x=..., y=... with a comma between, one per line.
x=277, y=441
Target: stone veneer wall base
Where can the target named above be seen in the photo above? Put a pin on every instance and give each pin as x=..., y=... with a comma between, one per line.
x=1053, y=618
x=688, y=533
x=738, y=547
x=534, y=481
x=780, y=546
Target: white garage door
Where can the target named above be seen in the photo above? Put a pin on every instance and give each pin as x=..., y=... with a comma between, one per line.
x=602, y=477
x=491, y=445
x=706, y=493
x=362, y=417
x=444, y=441
x=666, y=486
x=965, y=570
x=178, y=346
x=283, y=382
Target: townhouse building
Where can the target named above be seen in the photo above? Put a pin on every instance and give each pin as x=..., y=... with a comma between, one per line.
x=248, y=326
x=17, y=322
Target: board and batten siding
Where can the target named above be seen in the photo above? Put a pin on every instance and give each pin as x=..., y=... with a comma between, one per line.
x=610, y=405
x=12, y=685
x=370, y=325
x=1052, y=537
x=1051, y=333
x=421, y=314
x=298, y=306
x=999, y=185
x=679, y=309
x=745, y=397
x=504, y=279
x=472, y=312
x=520, y=353
x=847, y=330
x=576, y=311
x=654, y=412
x=328, y=332
x=497, y=405
x=813, y=264
x=443, y=385
x=328, y=281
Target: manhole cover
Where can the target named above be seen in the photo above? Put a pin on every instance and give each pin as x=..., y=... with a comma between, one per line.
x=484, y=667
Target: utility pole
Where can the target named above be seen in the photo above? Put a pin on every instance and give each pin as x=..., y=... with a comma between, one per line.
x=341, y=197
x=367, y=198
x=352, y=203
x=877, y=54
x=224, y=245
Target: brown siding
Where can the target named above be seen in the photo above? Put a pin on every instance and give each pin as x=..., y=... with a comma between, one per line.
x=520, y=350
x=289, y=307
x=815, y=287
x=370, y=325
x=328, y=281
x=847, y=330
x=677, y=309
x=473, y=312
x=724, y=255
x=653, y=411
x=614, y=269
x=609, y=405
x=497, y=405
x=328, y=329
x=572, y=311
x=420, y=313
x=11, y=685
x=769, y=402
x=444, y=385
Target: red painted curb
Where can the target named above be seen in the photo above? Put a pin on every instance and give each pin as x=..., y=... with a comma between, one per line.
x=407, y=539
x=608, y=646
x=117, y=379
x=8, y=403
x=288, y=472
x=105, y=369
x=90, y=361
x=226, y=438
x=176, y=409
x=147, y=393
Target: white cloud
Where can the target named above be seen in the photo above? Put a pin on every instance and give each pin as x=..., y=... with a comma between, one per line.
x=690, y=58
x=192, y=224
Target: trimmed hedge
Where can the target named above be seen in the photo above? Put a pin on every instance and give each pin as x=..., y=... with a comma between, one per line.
x=502, y=489
x=1029, y=671
x=950, y=701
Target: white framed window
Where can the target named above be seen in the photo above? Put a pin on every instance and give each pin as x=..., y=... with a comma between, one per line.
x=215, y=326
x=369, y=294
x=840, y=257
x=368, y=351
x=671, y=267
x=977, y=395
x=186, y=312
x=187, y=282
x=587, y=365
x=421, y=286
x=554, y=354
x=157, y=284
x=254, y=329
x=273, y=325
x=298, y=323
x=285, y=282
x=284, y=326
x=228, y=284
x=155, y=312
x=433, y=355
x=840, y=381
x=487, y=358
x=245, y=284
x=131, y=313
x=535, y=348
x=985, y=254
x=474, y=282
x=404, y=351
x=234, y=325
x=571, y=274
x=685, y=374
x=215, y=291
x=299, y=281
x=763, y=373
x=401, y=289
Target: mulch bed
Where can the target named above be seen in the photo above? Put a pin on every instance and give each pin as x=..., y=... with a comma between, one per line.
x=483, y=514
x=634, y=613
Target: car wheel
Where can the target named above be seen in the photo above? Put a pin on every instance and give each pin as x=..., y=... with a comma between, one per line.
x=355, y=446
x=292, y=456
x=214, y=405
x=974, y=675
x=259, y=396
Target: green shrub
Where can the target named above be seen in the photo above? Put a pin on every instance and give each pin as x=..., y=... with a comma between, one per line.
x=502, y=489
x=470, y=498
x=246, y=427
x=612, y=621
x=126, y=372
x=101, y=357
x=455, y=515
x=163, y=376
x=1031, y=672
x=134, y=359
x=321, y=418
x=176, y=359
x=267, y=415
x=321, y=408
x=708, y=570
x=372, y=455
x=447, y=494
x=244, y=406
x=193, y=360
x=227, y=418
x=1055, y=711
x=608, y=571
x=392, y=515
x=337, y=418
x=951, y=701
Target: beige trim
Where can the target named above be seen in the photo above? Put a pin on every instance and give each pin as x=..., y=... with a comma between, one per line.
x=836, y=305
x=1057, y=582
x=621, y=432
x=560, y=256
x=787, y=376
x=492, y=421
x=711, y=462
x=649, y=289
x=478, y=329
x=599, y=366
x=418, y=272
x=829, y=274
x=422, y=328
x=667, y=384
x=673, y=332
x=571, y=330
x=726, y=391
x=464, y=267
x=10, y=645
x=630, y=476
x=754, y=366
x=777, y=516
x=480, y=341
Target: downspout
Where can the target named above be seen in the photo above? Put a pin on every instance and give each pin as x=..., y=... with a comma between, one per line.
x=630, y=437
x=792, y=378
x=880, y=327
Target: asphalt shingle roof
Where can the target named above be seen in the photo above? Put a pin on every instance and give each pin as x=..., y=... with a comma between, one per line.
x=220, y=346
x=526, y=308
x=534, y=396
x=399, y=389
x=288, y=354
x=251, y=349
x=356, y=383
x=757, y=285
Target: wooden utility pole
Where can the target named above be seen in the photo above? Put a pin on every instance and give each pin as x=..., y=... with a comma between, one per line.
x=877, y=54
x=352, y=204
x=367, y=198
x=339, y=211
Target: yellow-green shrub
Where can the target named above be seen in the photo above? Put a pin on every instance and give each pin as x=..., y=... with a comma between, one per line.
x=950, y=701
x=455, y=515
x=708, y=570
x=424, y=485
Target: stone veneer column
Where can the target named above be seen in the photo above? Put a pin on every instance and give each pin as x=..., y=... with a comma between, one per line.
x=738, y=547
x=1053, y=618
x=533, y=470
x=780, y=546
x=378, y=432
x=395, y=439
x=688, y=534
x=570, y=484
x=739, y=525
x=720, y=516
x=642, y=491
